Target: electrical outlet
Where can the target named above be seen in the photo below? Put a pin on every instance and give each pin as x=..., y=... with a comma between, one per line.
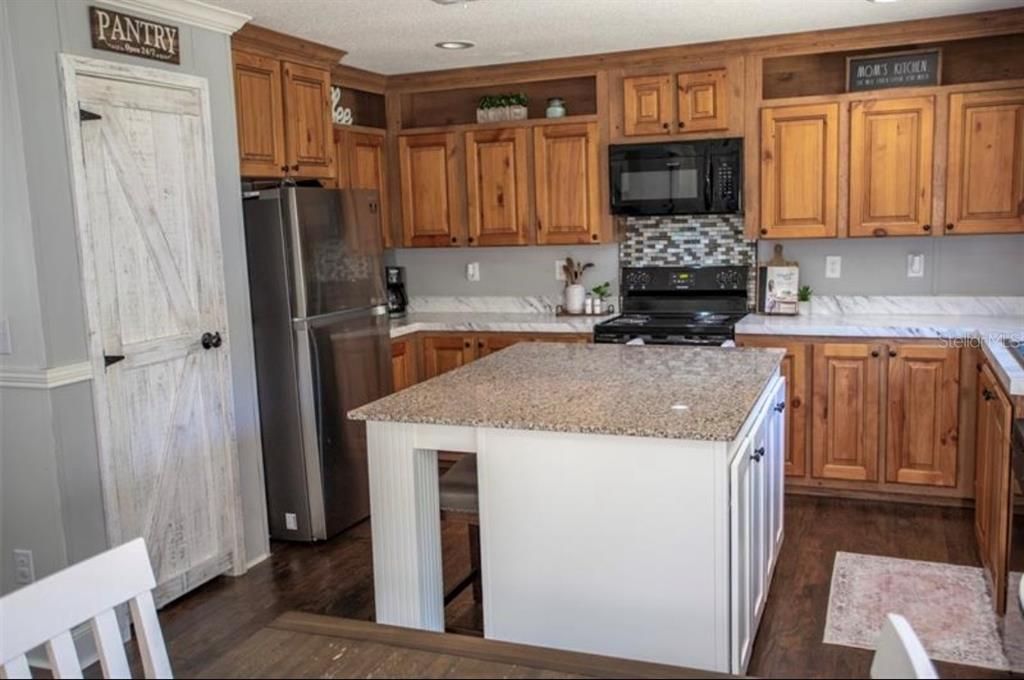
x=833, y=266
x=559, y=272
x=24, y=568
x=291, y=522
x=473, y=271
x=5, y=336
x=915, y=265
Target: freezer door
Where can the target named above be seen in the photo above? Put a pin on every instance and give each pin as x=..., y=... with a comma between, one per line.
x=349, y=359
x=336, y=251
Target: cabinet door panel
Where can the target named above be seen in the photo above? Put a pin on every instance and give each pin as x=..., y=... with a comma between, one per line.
x=703, y=101
x=362, y=165
x=891, y=145
x=260, y=114
x=566, y=175
x=993, y=498
x=497, y=186
x=489, y=344
x=985, y=185
x=647, y=105
x=429, y=212
x=922, y=415
x=847, y=405
x=308, y=128
x=443, y=353
x=403, y=364
x=741, y=557
x=799, y=171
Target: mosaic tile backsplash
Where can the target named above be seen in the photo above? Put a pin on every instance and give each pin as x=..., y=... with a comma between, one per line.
x=675, y=240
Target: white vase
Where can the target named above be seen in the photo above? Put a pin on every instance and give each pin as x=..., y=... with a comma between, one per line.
x=574, y=297
x=805, y=308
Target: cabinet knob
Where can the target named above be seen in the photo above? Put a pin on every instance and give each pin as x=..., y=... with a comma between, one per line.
x=681, y=125
x=665, y=125
x=879, y=232
x=593, y=237
x=758, y=454
x=796, y=403
x=295, y=167
x=950, y=226
x=892, y=353
x=926, y=227
x=467, y=344
x=988, y=394
x=284, y=168
x=480, y=344
x=780, y=407
x=874, y=353
x=764, y=232
x=470, y=239
x=455, y=239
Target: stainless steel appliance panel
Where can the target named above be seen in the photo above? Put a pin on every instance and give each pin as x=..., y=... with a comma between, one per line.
x=350, y=365
x=336, y=257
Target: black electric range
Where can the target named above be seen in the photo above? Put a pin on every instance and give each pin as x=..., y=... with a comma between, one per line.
x=678, y=306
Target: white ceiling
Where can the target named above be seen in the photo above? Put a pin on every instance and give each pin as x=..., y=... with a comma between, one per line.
x=398, y=36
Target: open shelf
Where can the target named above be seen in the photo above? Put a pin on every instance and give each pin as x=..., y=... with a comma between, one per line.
x=367, y=107
x=973, y=60
x=445, y=108
x=501, y=125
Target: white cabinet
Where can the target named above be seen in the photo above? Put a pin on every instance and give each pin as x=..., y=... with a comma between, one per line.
x=755, y=507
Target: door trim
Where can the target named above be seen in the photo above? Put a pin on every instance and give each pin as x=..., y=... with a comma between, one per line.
x=71, y=68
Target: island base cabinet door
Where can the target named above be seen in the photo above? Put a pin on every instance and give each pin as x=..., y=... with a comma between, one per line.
x=741, y=548
x=775, y=443
x=847, y=406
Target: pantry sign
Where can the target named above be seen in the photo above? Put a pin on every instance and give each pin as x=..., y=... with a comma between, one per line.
x=133, y=35
x=902, y=69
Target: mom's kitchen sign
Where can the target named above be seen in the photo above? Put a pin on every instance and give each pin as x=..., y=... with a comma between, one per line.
x=136, y=36
x=900, y=69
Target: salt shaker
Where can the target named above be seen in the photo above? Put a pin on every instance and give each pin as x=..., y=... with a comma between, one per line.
x=588, y=305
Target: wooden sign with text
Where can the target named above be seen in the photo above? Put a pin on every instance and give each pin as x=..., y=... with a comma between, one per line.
x=132, y=35
x=901, y=69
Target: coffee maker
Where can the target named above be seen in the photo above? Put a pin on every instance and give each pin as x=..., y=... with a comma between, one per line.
x=397, y=299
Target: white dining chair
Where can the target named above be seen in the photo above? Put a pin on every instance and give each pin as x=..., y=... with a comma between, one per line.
x=899, y=653
x=45, y=612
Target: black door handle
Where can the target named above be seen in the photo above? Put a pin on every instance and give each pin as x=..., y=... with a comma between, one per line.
x=211, y=340
x=780, y=407
x=111, y=359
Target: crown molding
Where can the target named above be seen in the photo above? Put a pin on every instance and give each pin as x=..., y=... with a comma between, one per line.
x=24, y=378
x=191, y=12
x=283, y=46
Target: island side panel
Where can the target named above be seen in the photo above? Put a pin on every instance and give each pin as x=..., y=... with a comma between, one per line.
x=406, y=527
x=606, y=544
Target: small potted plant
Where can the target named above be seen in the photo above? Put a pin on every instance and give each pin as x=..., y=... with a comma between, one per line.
x=517, y=107
x=803, y=296
x=485, y=109
x=600, y=293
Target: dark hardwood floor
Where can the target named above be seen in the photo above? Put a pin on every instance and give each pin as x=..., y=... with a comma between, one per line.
x=336, y=578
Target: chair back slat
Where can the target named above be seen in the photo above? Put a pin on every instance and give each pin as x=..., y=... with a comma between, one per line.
x=151, y=641
x=16, y=669
x=64, y=661
x=47, y=611
x=109, y=646
x=899, y=653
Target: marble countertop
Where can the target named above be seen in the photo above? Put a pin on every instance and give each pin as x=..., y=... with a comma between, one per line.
x=690, y=393
x=987, y=331
x=500, y=322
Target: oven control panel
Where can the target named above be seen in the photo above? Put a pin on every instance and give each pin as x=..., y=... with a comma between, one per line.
x=690, y=279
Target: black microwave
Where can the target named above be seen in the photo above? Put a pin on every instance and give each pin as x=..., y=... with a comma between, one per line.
x=677, y=178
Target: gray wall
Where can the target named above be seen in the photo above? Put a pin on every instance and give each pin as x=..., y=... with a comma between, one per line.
x=40, y=31
x=528, y=270
x=954, y=265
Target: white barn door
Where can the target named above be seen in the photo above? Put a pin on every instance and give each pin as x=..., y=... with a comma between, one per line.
x=149, y=236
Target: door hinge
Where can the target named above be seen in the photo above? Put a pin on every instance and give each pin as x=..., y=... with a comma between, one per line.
x=84, y=115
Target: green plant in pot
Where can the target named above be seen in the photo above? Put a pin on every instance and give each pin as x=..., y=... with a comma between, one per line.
x=803, y=296
x=601, y=293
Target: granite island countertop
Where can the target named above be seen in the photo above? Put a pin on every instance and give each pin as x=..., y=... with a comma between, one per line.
x=693, y=393
x=493, y=322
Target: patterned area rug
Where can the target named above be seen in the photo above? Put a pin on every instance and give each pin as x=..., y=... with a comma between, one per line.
x=948, y=606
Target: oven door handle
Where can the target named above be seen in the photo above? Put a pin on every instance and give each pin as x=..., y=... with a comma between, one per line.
x=707, y=183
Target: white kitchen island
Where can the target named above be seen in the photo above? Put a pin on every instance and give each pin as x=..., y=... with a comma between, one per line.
x=630, y=497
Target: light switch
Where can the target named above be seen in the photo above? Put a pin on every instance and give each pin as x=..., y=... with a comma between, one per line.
x=559, y=271
x=473, y=271
x=5, y=336
x=833, y=266
x=915, y=265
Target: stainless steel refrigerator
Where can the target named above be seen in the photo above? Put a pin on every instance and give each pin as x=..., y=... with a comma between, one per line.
x=322, y=348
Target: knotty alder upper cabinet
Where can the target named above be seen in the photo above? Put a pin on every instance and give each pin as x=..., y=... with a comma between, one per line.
x=566, y=177
x=985, y=185
x=799, y=171
x=429, y=180
x=283, y=104
x=701, y=103
x=891, y=150
x=362, y=164
x=497, y=185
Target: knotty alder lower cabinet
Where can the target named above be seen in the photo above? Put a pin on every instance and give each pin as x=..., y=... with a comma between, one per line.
x=876, y=417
